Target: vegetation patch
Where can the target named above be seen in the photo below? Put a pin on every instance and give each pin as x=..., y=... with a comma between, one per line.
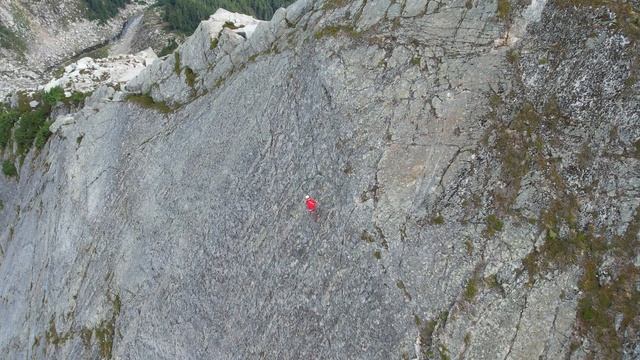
x=564, y=242
x=189, y=77
x=636, y=146
x=176, y=66
x=471, y=290
x=7, y=119
x=43, y=135
x=104, y=10
x=520, y=147
x=77, y=98
x=366, y=236
x=627, y=17
x=85, y=335
x=444, y=352
x=494, y=225
x=427, y=328
x=438, y=220
x=600, y=303
x=503, y=9
x=213, y=44
x=105, y=332
x=27, y=129
x=9, y=168
x=513, y=56
x=334, y=30
x=335, y=4
x=99, y=53
x=9, y=40
x=400, y=284
x=53, y=96
x=147, y=102
x=169, y=48
x=53, y=337
x=468, y=245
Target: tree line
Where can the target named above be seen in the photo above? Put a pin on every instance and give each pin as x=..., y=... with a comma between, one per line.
x=185, y=15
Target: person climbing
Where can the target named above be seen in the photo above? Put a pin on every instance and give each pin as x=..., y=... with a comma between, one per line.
x=312, y=206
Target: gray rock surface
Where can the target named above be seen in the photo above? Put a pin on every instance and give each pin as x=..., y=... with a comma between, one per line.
x=471, y=185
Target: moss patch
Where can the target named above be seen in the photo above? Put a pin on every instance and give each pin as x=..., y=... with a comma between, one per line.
x=334, y=4
x=53, y=337
x=366, y=236
x=213, y=44
x=176, y=65
x=427, y=328
x=627, y=18
x=601, y=304
x=147, y=102
x=494, y=225
x=335, y=30
x=471, y=290
x=189, y=76
x=105, y=332
x=503, y=9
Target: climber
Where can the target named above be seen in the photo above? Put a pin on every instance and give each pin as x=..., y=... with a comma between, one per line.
x=312, y=206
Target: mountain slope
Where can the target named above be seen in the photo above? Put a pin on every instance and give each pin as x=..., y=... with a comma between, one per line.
x=476, y=170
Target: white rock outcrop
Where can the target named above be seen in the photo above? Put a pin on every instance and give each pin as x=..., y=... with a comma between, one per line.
x=87, y=74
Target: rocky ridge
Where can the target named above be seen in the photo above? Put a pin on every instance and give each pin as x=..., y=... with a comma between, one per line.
x=477, y=167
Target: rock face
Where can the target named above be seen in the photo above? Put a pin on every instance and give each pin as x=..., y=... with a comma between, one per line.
x=476, y=165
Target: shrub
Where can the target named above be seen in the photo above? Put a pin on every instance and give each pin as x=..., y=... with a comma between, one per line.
x=172, y=45
x=7, y=120
x=54, y=95
x=9, y=169
x=43, y=135
x=78, y=97
x=28, y=128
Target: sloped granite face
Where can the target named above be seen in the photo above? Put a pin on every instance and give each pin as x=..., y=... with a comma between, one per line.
x=141, y=234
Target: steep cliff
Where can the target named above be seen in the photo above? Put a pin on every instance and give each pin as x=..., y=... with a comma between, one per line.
x=477, y=166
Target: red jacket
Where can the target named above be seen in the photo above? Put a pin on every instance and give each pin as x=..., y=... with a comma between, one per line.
x=311, y=204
